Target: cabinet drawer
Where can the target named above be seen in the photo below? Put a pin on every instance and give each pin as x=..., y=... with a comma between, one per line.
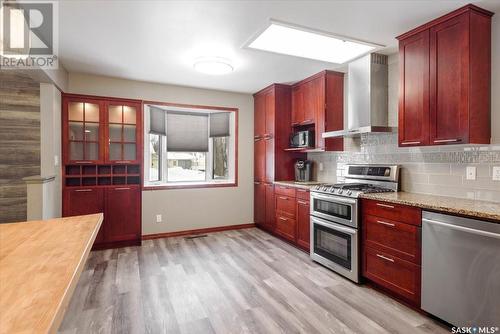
x=286, y=227
x=302, y=193
x=399, y=276
x=285, y=205
x=397, y=212
x=284, y=190
x=397, y=239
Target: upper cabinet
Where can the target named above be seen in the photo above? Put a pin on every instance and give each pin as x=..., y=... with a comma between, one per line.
x=445, y=74
x=123, y=130
x=83, y=130
x=318, y=105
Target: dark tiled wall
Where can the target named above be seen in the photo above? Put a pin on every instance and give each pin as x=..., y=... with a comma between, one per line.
x=19, y=141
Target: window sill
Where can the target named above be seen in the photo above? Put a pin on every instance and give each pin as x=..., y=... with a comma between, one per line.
x=188, y=185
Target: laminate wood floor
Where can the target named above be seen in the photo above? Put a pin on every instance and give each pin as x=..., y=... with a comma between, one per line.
x=243, y=281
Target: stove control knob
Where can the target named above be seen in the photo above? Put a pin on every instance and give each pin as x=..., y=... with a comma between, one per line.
x=349, y=192
x=340, y=191
x=332, y=189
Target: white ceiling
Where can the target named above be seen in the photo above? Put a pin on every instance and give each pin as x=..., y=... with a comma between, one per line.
x=157, y=41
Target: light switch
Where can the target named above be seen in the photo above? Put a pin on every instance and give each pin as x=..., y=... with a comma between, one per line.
x=471, y=173
x=496, y=173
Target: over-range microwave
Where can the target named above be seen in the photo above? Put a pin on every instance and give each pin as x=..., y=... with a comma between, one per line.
x=302, y=139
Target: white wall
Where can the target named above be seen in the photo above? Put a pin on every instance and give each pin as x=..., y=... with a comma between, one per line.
x=50, y=148
x=186, y=209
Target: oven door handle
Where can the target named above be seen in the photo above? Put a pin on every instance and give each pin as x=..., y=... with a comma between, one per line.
x=330, y=198
x=333, y=226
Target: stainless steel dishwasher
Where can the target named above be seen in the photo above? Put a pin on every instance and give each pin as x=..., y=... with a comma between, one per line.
x=461, y=270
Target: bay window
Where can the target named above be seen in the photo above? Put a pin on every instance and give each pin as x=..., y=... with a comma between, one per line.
x=189, y=146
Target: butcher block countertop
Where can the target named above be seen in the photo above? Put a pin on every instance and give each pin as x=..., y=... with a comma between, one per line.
x=457, y=206
x=40, y=264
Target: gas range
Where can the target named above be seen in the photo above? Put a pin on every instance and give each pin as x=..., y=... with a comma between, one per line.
x=361, y=179
x=350, y=189
x=334, y=215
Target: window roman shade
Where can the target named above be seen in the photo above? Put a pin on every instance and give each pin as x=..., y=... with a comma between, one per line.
x=157, y=121
x=187, y=132
x=219, y=124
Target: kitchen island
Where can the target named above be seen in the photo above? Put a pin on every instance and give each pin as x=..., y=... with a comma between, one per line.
x=40, y=264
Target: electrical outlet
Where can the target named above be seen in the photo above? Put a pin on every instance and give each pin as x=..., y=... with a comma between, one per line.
x=496, y=173
x=471, y=173
x=158, y=219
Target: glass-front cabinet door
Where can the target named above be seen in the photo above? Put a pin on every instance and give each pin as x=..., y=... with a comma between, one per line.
x=83, y=143
x=123, y=132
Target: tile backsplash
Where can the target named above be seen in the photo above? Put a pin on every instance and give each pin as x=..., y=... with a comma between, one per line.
x=437, y=170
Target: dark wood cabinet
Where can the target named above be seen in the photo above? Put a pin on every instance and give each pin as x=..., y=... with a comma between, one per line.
x=122, y=213
x=259, y=159
x=445, y=75
x=102, y=164
x=259, y=195
x=303, y=223
x=318, y=105
x=392, y=248
x=84, y=201
x=270, y=210
x=414, y=90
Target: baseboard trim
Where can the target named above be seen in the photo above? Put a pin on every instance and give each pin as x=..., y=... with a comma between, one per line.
x=197, y=231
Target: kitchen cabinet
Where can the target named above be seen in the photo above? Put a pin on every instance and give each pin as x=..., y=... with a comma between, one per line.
x=259, y=195
x=84, y=201
x=102, y=164
x=445, y=74
x=270, y=207
x=303, y=223
x=122, y=213
x=392, y=248
x=318, y=105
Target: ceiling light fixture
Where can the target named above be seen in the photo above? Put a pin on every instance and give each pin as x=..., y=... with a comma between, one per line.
x=213, y=65
x=302, y=42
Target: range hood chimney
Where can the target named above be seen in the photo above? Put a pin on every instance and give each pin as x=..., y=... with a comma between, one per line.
x=367, y=110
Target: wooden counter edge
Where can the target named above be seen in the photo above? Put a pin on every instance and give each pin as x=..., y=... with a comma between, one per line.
x=63, y=305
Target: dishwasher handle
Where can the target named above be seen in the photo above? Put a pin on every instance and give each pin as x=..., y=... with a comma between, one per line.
x=463, y=228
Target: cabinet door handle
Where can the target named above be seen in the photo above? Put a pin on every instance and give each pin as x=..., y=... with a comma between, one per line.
x=83, y=162
x=385, y=258
x=410, y=143
x=256, y=183
x=385, y=205
x=122, y=161
x=454, y=140
x=386, y=223
x=306, y=121
x=283, y=198
x=302, y=202
x=83, y=190
x=302, y=190
x=281, y=218
x=123, y=188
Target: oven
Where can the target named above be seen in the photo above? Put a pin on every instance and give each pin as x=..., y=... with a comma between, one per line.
x=338, y=209
x=334, y=234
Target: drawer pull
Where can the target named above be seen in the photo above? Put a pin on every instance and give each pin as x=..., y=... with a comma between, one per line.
x=83, y=162
x=385, y=258
x=302, y=202
x=302, y=190
x=83, y=190
x=282, y=187
x=385, y=205
x=284, y=219
x=256, y=183
x=123, y=188
x=410, y=143
x=386, y=223
x=283, y=198
x=454, y=140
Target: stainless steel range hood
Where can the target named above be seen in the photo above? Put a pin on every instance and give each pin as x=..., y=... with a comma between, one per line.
x=367, y=109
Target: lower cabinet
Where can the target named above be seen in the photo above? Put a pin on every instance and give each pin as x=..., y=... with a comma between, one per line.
x=303, y=224
x=283, y=211
x=122, y=214
x=84, y=201
x=121, y=206
x=392, y=248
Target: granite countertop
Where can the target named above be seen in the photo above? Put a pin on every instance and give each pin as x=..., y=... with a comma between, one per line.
x=452, y=205
x=295, y=184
